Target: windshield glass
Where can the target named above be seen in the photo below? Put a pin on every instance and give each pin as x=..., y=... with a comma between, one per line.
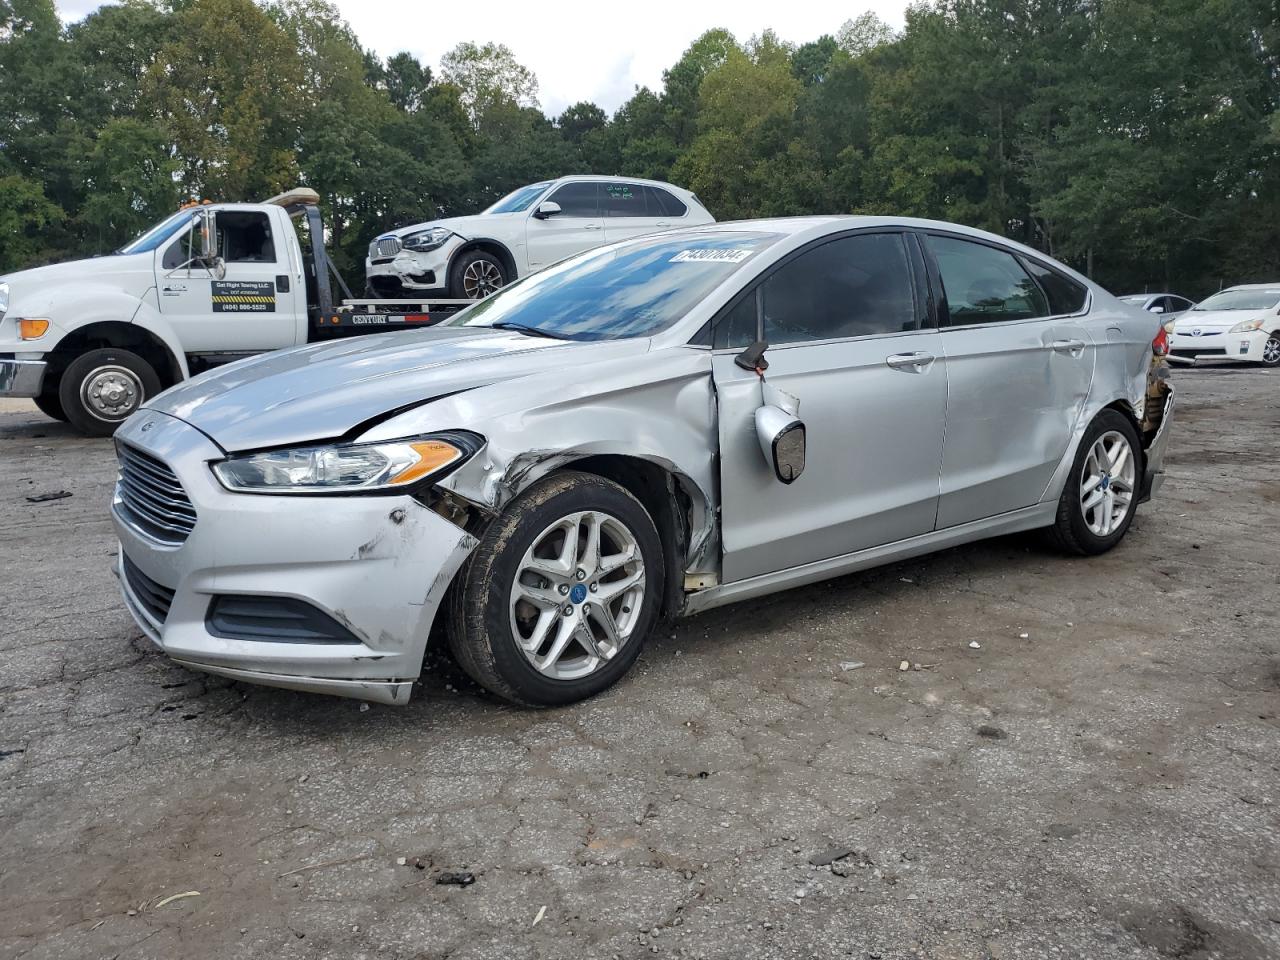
x=634, y=289
x=1240, y=300
x=518, y=200
x=158, y=234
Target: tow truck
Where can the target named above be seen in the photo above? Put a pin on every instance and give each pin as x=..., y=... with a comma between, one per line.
x=90, y=340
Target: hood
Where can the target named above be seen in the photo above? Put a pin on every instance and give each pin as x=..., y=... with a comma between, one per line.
x=327, y=390
x=1213, y=319
x=465, y=227
x=30, y=289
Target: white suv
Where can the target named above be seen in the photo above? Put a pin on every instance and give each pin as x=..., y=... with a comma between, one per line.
x=527, y=230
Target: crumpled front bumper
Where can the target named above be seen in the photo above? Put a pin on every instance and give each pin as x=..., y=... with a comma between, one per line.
x=377, y=565
x=414, y=271
x=22, y=378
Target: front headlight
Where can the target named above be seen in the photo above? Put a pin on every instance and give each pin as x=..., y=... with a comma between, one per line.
x=347, y=467
x=425, y=240
x=4, y=299
x=1244, y=326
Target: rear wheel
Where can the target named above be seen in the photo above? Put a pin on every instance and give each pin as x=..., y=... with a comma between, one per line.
x=101, y=389
x=562, y=592
x=1101, y=495
x=1271, y=351
x=475, y=275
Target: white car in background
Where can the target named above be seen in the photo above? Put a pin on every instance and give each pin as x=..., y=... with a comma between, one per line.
x=1167, y=304
x=527, y=230
x=1239, y=323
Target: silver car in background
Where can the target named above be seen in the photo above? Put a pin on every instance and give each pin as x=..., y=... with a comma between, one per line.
x=650, y=429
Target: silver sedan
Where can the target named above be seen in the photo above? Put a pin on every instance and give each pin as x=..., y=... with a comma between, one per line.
x=647, y=430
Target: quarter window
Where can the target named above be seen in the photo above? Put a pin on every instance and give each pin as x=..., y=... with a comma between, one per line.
x=851, y=287
x=985, y=285
x=663, y=204
x=740, y=327
x=577, y=200
x=1065, y=295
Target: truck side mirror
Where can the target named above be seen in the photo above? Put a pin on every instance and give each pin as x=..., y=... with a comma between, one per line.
x=209, y=244
x=547, y=208
x=782, y=440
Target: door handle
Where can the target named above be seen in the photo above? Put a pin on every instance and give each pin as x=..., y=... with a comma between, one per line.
x=1073, y=347
x=917, y=362
x=662, y=223
x=591, y=226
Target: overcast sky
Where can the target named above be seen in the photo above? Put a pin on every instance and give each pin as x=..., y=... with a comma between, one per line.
x=580, y=50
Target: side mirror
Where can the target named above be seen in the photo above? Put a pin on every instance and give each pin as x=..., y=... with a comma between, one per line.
x=547, y=208
x=1155, y=309
x=782, y=440
x=208, y=246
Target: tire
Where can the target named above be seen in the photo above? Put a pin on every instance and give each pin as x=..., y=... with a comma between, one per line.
x=475, y=275
x=492, y=612
x=1271, y=351
x=100, y=389
x=51, y=406
x=1094, y=530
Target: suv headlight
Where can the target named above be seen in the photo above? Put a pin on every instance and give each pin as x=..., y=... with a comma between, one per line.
x=425, y=240
x=4, y=299
x=1244, y=326
x=348, y=467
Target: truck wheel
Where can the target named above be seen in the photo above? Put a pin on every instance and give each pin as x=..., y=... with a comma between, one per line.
x=51, y=406
x=475, y=275
x=1101, y=495
x=560, y=595
x=101, y=388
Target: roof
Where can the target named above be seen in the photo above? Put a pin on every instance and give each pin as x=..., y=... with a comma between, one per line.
x=1253, y=286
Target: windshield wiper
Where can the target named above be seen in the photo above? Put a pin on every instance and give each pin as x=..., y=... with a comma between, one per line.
x=525, y=329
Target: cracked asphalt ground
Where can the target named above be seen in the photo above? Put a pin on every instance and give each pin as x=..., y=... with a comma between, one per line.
x=1098, y=780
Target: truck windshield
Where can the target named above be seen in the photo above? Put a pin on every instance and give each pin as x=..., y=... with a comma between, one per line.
x=518, y=200
x=632, y=289
x=158, y=234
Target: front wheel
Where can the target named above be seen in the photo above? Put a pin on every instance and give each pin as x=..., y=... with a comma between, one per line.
x=560, y=595
x=1271, y=351
x=100, y=389
x=49, y=404
x=475, y=275
x=1101, y=495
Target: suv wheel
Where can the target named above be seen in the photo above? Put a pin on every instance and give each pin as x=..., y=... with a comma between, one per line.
x=475, y=275
x=100, y=389
x=1101, y=495
x=560, y=595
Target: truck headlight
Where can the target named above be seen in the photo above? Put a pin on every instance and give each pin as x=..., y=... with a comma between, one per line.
x=347, y=467
x=425, y=240
x=1244, y=326
x=4, y=299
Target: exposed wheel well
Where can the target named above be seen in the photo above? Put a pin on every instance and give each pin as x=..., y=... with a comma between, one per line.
x=667, y=503
x=1123, y=407
x=126, y=336
x=489, y=246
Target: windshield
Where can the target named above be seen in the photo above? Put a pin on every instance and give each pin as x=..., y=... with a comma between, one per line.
x=518, y=200
x=633, y=289
x=1240, y=300
x=158, y=234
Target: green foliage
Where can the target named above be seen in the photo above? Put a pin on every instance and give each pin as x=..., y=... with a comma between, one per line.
x=1139, y=139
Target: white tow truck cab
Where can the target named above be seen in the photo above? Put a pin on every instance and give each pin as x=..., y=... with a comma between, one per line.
x=90, y=340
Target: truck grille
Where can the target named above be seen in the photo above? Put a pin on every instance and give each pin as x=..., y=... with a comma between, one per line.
x=150, y=498
x=384, y=248
x=154, y=598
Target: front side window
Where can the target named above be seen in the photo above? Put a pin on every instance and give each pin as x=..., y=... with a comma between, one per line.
x=245, y=237
x=850, y=287
x=632, y=289
x=984, y=284
x=577, y=200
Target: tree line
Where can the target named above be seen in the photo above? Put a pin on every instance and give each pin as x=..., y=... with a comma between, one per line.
x=1137, y=140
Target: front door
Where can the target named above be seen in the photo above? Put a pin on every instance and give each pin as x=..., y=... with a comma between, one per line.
x=255, y=306
x=578, y=226
x=848, y=328
x=1017, y=380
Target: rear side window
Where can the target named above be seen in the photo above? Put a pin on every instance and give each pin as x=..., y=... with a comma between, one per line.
x=663, y=204
x=985, y=285
x=577, y=200
x=624, y=200
x=849, y=287
x=1065, y=295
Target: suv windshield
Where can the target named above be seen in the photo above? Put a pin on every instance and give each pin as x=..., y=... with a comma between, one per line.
x=520, y=199
x=634, y=289
x=1240, y=300
x=158, y=234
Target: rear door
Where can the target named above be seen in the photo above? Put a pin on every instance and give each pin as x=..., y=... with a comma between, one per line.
x=1018, y=376
x=256, y=305
x=578, y=226
x=634, y=209
x=850, y=337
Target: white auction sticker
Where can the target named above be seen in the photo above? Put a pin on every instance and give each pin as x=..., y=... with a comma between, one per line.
x=712, y=256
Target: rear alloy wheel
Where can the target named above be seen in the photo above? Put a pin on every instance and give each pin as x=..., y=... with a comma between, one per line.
x=1271, y=351
x=1101, y=494
x=559, y=597
x=101, y=389
x=475, y=275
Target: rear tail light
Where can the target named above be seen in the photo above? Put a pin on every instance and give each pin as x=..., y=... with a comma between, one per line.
x=1160, y=345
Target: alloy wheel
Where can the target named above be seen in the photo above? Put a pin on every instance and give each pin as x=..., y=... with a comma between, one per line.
x=1271, y=351
x=577, y=595
x=1107, y=483
x=481, y=278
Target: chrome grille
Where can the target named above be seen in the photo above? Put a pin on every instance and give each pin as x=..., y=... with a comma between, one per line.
x=384, y=248
x=154, y=598
x=150, y=498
